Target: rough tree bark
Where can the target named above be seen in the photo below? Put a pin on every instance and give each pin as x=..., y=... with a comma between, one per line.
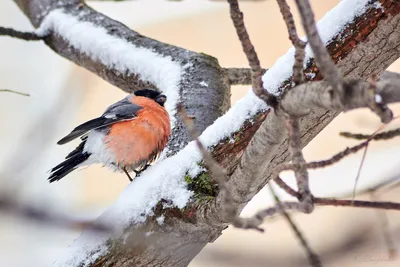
x=366, y=46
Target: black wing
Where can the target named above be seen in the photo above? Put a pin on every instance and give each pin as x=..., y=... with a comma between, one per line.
x=120, y=111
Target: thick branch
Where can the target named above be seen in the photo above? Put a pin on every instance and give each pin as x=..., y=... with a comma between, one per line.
x=380, y=136
x=304, y=98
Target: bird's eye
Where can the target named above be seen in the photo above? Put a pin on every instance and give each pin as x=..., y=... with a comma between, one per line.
x=161, y=99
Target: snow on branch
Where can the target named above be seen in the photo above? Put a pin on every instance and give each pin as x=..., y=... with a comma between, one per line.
x=328, y=27
x=116, y=53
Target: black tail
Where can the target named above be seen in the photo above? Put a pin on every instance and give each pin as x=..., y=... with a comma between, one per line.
x=67, y=166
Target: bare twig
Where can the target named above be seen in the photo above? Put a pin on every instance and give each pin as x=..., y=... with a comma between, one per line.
x=298, y=161
x=359, y=170
x=313, y=258
x=377, y=137
x=344, y=153
x=14, y=92
x=345, y=202
x=252, y=58
x=300, y=45
x=286, y=187
x=240, y=76
x=336, y=158
x=357, y=203
x=256, y=220
x=27, y=36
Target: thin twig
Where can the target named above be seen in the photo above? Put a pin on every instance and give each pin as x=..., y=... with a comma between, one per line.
x=286, y=187
x=336, y=158
x=380, y=136
x=359, y=171
x=300, y=45
x=257, y=219
x=347, y=203
x=14, y=92
x=252, y=58
x=356, y=203
x=299, y=163
x=344, y=153
x=27, y=36
x=313, y=258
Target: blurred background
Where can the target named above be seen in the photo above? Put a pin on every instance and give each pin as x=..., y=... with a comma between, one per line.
x=64, y=95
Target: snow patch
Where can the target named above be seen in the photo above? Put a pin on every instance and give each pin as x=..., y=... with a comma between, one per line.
x=203, y=83
x=160, y=220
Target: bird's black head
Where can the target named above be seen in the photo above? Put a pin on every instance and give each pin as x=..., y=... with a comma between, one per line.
x=152, y=94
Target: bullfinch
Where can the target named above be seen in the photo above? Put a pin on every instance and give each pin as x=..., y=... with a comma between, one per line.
x=129, y=136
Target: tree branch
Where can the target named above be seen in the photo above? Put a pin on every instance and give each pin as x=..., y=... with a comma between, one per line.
x=357, y=203
x=377, y=137
x=27, y=36
x=306, y=97
x=14, y=92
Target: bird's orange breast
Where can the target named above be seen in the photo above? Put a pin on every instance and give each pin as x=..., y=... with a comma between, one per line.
x=137, y=141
